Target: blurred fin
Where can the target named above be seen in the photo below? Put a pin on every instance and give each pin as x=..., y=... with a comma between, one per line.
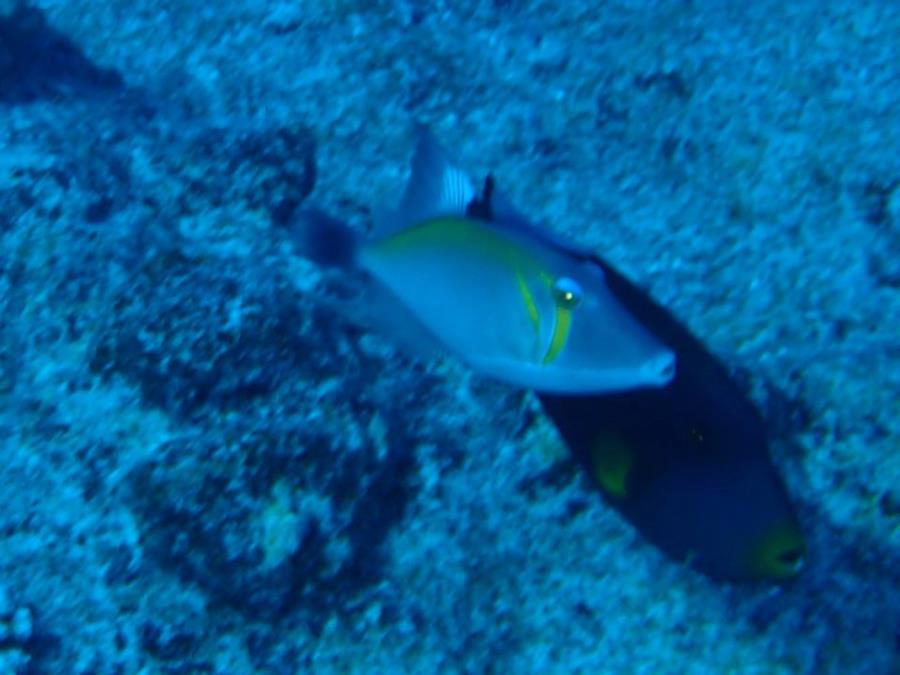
x=325, y=240
x=436, y=187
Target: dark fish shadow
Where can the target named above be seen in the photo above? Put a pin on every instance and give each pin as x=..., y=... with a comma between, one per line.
x=38, y=62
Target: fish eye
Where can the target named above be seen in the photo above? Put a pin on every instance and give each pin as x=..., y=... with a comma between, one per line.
x=567, y=293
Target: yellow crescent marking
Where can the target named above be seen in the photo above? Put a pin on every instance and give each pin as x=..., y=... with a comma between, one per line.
x=612, y=464
x=530, y=305
x=562, y=324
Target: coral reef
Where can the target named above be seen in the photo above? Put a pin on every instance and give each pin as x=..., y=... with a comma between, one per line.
x=208, y=468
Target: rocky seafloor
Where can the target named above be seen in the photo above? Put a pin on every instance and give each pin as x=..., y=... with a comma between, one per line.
x=206, y=468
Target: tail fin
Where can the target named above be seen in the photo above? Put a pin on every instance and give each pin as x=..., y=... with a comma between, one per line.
x=325, y=240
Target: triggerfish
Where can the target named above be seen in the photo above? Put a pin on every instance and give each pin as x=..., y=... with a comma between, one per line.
x=508, y=298
x=687, y=464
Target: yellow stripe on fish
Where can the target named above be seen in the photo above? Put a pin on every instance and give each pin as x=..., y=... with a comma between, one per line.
x=530, y=305
x=562, y=324
x=562, y=317
x=453, y=232
x=567, y=296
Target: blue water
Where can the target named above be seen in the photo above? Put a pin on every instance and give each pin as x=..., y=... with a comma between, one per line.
x=208, y=465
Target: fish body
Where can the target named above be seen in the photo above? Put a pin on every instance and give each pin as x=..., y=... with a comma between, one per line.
x=688, y=463
x=679, y=451
x=502, y=295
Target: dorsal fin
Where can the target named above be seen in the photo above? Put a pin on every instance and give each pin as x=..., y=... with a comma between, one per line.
x=494, y=207
x=436, y=187
x=501, y=208
x=481, y=207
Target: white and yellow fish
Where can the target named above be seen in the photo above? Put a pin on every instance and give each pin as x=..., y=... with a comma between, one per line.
x=508, y=298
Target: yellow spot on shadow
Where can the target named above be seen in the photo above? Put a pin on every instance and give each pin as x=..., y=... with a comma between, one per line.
x=612, y=462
